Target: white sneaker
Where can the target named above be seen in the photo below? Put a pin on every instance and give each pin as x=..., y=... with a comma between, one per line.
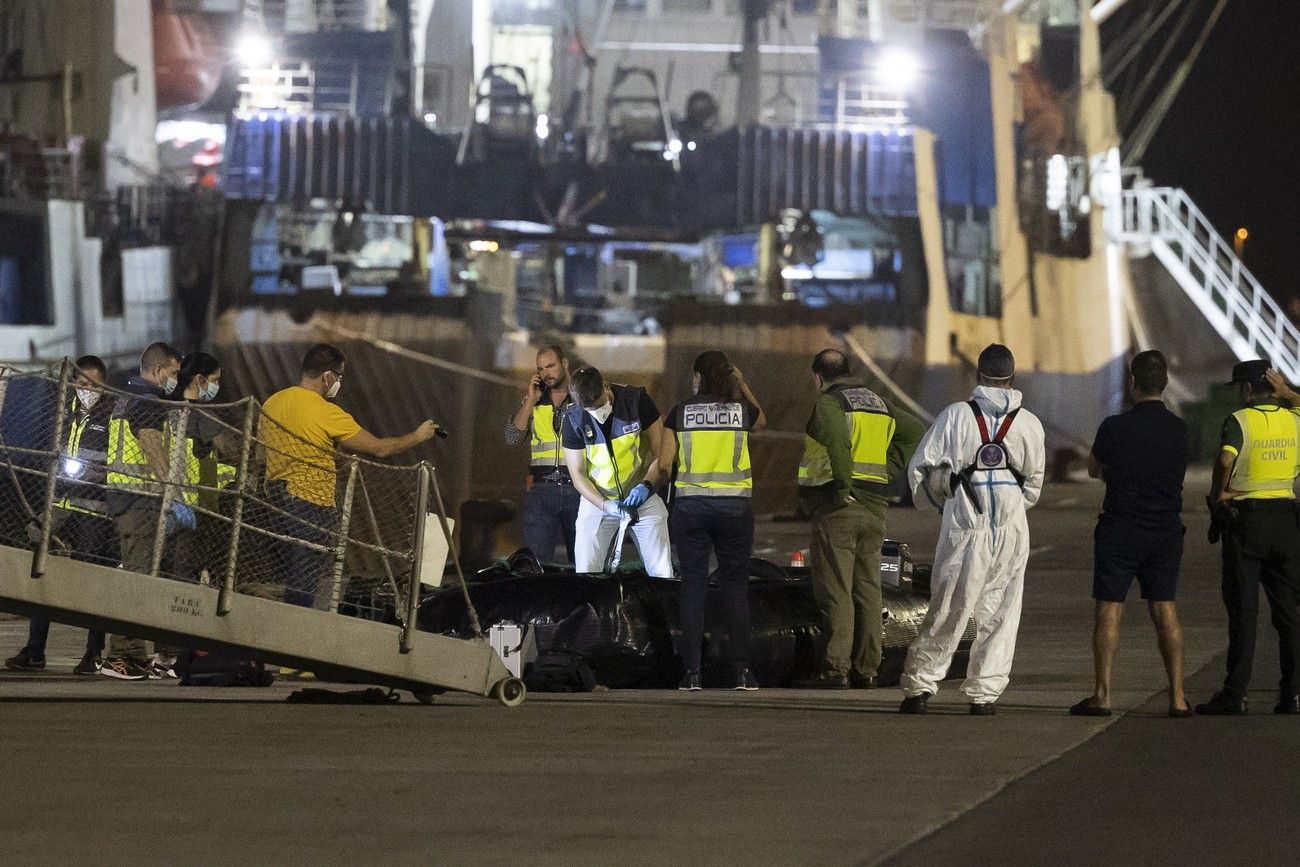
x=162, y=667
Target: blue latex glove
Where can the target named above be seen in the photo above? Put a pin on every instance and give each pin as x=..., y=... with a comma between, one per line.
x=639, y=495
x=184, y=516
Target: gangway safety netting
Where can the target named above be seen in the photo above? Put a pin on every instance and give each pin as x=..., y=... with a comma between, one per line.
x=238, y=501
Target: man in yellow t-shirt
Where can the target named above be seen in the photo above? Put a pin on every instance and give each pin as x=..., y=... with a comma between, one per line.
x=301, y=429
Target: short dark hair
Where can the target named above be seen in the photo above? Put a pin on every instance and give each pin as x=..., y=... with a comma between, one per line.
x=587, y=387
x=93, y=362
x=556, y=348
x=1150, y=371
x=830, y=364
x=157, y=354
x=320, y=358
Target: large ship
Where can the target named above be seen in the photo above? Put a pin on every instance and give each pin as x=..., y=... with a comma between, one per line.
x=441, y=187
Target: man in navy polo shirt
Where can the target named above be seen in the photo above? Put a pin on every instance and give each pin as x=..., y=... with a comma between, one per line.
x=1141, y=455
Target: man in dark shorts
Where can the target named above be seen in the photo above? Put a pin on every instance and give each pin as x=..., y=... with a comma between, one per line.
x=1141, y=455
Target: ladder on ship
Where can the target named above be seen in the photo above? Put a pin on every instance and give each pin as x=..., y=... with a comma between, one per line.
x=1167, y=222
x=234, y=604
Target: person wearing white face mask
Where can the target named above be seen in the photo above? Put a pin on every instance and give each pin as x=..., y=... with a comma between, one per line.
x=301, y=429
x=138, y=460
x=80, y=517
x=981, y=463
x=611, y=442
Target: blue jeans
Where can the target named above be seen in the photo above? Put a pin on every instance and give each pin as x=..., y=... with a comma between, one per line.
x=723, y=526
x=302, y=567
x=550, y=512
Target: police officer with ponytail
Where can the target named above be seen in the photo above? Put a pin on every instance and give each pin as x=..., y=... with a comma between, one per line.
x=1253, y=505
x=707, y=441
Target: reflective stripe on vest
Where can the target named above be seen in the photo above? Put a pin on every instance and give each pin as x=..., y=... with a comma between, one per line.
x=871, y=429
x=546, y=451
x=713, y=451
x=193, y=475
x=1269, y=460
x=76, y=458
x=617, y=474
x=127, y=463
x=226, y=475
x=621, y=465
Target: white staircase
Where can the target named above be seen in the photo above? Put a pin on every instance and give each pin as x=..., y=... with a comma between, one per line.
x=1167, y=221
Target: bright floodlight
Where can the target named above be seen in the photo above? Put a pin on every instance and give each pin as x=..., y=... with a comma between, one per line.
x=253, y=49
x=899, y=68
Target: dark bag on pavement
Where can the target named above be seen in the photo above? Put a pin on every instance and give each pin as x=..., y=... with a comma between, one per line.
x=560, y=671
x=202, y=668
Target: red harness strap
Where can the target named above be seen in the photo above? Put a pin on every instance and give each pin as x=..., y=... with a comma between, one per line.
x=984, y=428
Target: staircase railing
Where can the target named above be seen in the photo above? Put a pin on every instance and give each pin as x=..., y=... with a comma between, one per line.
x=1216, y=280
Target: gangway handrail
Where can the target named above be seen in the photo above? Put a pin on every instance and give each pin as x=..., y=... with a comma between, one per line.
x=1232, y=300
x=412, y=499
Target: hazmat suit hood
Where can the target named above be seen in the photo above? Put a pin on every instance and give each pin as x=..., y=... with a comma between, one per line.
x=996, y=401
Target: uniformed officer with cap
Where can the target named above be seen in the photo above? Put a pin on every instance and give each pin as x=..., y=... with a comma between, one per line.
x=1254, y=509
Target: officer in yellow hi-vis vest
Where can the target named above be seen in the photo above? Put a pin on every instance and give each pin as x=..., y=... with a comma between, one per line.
x=81, y=519
x=1253, y=502
x=855, y=444
x=707, y=441
x=611, y=444
x=138, y=459
x=198, y=547
x=551, y=501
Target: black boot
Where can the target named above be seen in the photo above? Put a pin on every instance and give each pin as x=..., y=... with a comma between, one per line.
x=823, y=680
x=1287, y=704
x=915, y=703
x=1222, y=704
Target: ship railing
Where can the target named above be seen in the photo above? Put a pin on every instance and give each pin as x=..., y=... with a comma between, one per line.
x=312, y=16
x=1212, y=275
x=231, y=529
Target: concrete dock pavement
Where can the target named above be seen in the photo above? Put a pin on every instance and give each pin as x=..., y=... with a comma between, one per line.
x=777, y=776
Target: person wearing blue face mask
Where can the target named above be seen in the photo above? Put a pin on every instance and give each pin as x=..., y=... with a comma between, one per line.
x=195, y=540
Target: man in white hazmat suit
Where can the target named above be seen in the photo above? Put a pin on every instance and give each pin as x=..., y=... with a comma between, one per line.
x=982, y=463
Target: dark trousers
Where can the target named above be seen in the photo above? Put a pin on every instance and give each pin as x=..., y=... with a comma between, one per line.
x=550, y=513
x=1262, y=548
x=723, y=526
x=303, y=568
x=90, y=539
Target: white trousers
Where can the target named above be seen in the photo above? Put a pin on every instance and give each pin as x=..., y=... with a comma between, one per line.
x=978, y=573
x=596, y=530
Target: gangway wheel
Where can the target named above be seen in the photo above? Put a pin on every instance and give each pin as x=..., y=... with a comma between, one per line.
x=510, y=692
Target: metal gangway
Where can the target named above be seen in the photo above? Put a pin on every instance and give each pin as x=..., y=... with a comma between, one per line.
x=220, y=586
x=1167, y=222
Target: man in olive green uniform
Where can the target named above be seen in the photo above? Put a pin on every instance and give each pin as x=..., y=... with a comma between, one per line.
x=1254, y=509
x=855, y=444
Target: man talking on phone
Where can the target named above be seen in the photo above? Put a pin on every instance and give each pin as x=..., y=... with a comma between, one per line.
x=550, y=500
